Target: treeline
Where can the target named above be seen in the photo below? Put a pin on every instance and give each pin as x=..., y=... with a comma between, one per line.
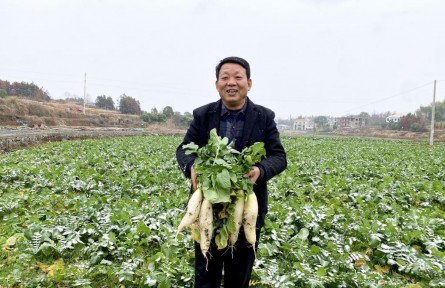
x=129, y=105
x=420, y=121
x=23, y=89
x=125, y=105
x=439, y=111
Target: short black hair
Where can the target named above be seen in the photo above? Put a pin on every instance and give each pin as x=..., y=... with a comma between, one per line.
x=236, y=60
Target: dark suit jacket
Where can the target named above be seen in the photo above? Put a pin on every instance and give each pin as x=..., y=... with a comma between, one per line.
x=258, y=127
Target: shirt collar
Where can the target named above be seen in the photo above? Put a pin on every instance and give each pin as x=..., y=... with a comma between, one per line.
x=225, y=111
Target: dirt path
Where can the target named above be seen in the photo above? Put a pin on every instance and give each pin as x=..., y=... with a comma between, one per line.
x=16, y=139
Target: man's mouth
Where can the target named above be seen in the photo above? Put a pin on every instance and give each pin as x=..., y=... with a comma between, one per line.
x=232, y=91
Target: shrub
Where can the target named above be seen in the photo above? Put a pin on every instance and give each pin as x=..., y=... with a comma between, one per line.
x=3, y=93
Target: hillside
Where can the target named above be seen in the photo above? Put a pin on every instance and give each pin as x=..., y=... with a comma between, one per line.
x=18, y=112
x=25, y=123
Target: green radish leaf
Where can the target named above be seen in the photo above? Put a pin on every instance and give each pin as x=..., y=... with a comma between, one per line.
x=223, y=180
x=211, y=195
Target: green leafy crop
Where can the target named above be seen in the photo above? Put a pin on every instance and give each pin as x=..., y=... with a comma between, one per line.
x=347, y=212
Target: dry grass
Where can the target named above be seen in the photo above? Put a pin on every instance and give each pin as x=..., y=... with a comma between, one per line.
x=374, y=132
x=439, y=134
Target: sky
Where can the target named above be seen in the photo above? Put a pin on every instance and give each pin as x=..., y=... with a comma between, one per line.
x=308, y=57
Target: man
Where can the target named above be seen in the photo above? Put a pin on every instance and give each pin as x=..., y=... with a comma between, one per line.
x=236, y=117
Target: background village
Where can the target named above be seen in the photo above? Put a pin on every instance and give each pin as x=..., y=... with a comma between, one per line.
x=329, y=123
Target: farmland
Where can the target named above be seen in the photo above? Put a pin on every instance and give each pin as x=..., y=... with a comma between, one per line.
x=347, y=212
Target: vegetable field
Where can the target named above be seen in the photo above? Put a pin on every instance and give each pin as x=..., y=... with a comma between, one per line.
x=103, y=213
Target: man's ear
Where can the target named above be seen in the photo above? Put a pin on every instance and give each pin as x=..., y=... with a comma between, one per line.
x=249, y=83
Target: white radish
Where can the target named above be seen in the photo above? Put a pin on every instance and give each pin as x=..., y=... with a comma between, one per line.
x=237, y=217
x=205, y=226
x=250, y=215
x=192, y=212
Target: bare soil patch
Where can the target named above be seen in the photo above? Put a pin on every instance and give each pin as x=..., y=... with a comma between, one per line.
x=439, y=135
x=373, y=132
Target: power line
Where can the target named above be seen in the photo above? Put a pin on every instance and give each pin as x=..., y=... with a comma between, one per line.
x=393, y=96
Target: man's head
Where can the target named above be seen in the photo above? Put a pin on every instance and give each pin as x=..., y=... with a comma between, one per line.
x=233, y=81
x=235, y=60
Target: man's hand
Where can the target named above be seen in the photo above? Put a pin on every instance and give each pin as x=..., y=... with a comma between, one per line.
x=253, y=174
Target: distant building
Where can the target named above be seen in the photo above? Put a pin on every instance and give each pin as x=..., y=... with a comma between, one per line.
x=283, y=127
x=303, y=124
x=395, y=118
x=350, y=122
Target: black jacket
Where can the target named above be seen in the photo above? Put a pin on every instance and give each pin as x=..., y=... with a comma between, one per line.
x=259, y=126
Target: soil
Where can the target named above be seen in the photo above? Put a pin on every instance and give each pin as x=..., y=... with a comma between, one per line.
x=373, y=132
x=11, y=140
x=439, y=135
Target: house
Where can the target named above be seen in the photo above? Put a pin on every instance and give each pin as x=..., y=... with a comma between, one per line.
x=395, y=118
x=350, y=122
x=303, y=124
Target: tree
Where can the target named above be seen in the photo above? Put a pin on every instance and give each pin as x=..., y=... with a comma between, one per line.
x=322, y=123
x=427, y=111
x=74, y=99
x=168, y=112
x=378, y=119
x=4, y=85
x=129, y=105
x=25, y=90
x=182, y=120
x=105, y=102
x=412, y=122
x=153, y=117
x=364, y=115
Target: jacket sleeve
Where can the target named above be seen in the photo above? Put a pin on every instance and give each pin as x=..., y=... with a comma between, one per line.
x=186, y=161
x=275, y=161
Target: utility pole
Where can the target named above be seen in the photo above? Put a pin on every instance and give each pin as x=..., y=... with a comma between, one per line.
x=433, y=111
x=84, y=93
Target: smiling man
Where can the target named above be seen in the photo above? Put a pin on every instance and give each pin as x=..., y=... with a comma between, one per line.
x=233, y=83
x=236, y=117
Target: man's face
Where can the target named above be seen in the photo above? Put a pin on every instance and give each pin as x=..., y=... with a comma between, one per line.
x=233, y=85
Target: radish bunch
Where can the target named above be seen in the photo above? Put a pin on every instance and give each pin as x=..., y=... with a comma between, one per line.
x=224, y=201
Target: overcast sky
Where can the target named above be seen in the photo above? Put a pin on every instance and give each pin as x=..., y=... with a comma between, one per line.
x=308, y=57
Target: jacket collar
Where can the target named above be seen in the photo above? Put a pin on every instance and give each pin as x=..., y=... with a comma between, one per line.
x=252, y=114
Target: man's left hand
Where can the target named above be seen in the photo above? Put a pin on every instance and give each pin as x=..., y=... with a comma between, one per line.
x=253, y=174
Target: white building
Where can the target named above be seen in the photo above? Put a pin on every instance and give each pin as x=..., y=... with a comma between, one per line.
x=395, y=118
x=303, y=124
